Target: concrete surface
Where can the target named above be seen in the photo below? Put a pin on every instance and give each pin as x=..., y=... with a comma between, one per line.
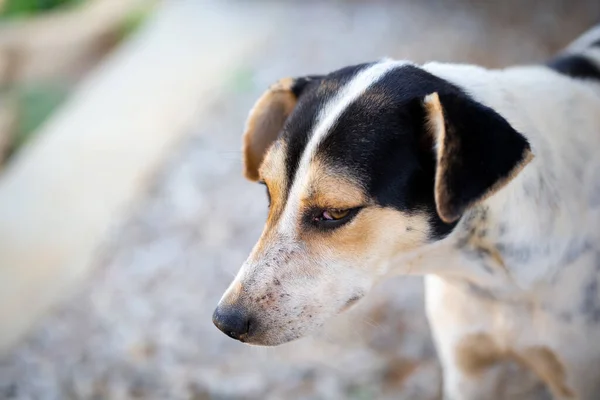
x=140, y=325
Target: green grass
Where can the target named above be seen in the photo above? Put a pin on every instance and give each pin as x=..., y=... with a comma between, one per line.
x=133, y=21
x=241, y=80
x=35, y=102
x=360, y=393
x=27, y=8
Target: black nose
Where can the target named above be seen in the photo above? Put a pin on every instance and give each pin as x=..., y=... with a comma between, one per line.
x=232, y=321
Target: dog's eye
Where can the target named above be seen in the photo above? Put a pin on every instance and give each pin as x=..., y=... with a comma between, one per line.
x=333, y=215
x=330, y=218
x=333, y=218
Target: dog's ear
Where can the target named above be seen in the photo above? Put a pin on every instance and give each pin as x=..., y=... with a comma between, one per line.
x=266, y=120
x=477, y=152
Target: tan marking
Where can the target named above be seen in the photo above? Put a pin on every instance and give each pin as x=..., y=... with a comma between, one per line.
x=375, y=232
x=548, y=367
x=435, y=118
x=272, y=169
x=483, y=243
x=264, y=124
x=272, y=172
x=477, y=352
x=399, y=371
x=326, y=189
x=446, y=151
x=437, y=126
x=375, y=235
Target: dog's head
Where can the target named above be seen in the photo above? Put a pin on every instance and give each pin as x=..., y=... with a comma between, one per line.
x=360, y=166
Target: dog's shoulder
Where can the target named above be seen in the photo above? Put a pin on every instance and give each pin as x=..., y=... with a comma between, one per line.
x=536, y=225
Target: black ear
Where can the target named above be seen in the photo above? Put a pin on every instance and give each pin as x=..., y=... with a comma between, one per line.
x=477, y=152
x=267, y=118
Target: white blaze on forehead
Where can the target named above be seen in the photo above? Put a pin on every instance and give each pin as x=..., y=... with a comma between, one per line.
x=326, y=120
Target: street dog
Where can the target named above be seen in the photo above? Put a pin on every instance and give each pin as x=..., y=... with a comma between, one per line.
x=484, y=181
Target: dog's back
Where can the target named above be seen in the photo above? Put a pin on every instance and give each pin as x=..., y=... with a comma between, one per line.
x=581, y=59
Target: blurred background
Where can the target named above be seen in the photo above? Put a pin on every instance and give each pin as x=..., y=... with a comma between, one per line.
x=123, y=212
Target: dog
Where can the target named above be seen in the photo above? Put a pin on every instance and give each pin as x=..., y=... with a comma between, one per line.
x=486, y=182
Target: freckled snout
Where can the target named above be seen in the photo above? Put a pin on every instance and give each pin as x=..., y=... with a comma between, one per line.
x=234, y=321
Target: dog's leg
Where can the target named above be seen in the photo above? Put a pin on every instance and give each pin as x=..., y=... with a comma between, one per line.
x=475, y=367
x=450, y=322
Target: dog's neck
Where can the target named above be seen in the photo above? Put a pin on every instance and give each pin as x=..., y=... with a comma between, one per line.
x=496, y=248
x=514, y=241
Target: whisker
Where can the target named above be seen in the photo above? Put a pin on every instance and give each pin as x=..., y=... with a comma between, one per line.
x=373, y=324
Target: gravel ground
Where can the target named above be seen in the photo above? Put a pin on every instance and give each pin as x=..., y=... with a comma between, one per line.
x=140, y=326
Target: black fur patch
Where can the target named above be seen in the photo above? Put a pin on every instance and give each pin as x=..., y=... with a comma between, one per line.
x=575, y=66
x=381, y=140
x=590, y=306
x=313, y=92
x=482, y=149
x=301, y=83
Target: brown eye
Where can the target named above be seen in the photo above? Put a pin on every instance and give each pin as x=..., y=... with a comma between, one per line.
x=333, y=214
x=332, y=218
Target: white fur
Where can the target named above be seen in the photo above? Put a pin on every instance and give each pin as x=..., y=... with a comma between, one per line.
x=545, y=224
x=560, y=117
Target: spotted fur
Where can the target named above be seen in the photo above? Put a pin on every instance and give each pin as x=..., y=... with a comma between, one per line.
x=484, y=181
